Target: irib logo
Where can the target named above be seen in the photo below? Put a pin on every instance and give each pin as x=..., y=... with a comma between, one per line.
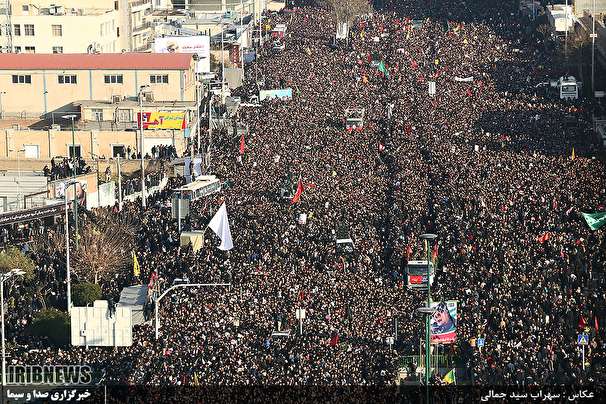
x=49, y=374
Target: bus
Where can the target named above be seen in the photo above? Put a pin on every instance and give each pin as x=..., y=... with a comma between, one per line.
x=416, y=274
x=203, y=185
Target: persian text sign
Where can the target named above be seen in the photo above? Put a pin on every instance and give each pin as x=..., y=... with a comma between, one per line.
x=163, y=120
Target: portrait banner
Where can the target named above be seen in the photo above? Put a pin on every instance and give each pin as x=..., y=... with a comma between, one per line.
x=443, y=322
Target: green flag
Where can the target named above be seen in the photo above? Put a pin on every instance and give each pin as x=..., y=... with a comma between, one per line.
x=595, y=220
x=450, y=377
x=383, y=69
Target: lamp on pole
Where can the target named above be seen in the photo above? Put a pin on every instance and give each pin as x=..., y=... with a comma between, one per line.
x=19, y=176
x=222, y=59
x=4, y=277
x=593, y=36
x=142, y=91
x=67, y=263
x=1, y=110
x=93, y=155
x=73, y=156
x=428, y=237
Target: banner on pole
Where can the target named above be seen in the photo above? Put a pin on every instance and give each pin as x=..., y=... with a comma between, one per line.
x=443, y=322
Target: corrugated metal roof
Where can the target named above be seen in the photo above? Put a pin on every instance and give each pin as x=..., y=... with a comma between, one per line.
x=99, y=61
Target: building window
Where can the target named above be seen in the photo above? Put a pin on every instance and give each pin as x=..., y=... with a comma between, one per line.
x=17, y=49
x=71, y=149
x=25, y=7
x=67, y=79
x=116, y=5
x=57, y=49
x=28, y=29
x=113, y=79
x=17, y=30
x=97, y=114
x=22, y=79
x=30, y=49
x=118, y=150
x=158, y=79
x=118, y=32
x=57, y=30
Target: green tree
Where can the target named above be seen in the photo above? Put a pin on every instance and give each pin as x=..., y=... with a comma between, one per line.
x=52, y=324
x=85, y=293
x=13, y=258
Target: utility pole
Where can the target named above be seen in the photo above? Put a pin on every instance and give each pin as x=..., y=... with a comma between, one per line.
x=566, y=37
x=72, y=117
x=428, y=237
x=142, y=91
x=119, y=185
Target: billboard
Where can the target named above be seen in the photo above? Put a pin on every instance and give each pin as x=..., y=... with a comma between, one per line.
x=163, y=120
x=198, y=44
x=443, y=322
x=283, y=93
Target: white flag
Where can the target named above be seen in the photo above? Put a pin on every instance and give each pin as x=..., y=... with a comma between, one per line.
x=220, y=225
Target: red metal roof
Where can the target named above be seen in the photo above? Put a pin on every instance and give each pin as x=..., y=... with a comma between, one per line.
x=99, y=61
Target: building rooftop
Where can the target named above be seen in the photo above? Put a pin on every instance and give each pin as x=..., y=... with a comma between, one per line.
x=135, y=104
x=99, y=61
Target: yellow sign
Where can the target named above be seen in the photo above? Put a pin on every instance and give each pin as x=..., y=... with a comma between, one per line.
x=163, y=120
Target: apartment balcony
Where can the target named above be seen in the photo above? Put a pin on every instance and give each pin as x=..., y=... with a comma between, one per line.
x=143, y=27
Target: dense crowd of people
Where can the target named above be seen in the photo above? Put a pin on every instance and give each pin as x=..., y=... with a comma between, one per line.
x=486, y=164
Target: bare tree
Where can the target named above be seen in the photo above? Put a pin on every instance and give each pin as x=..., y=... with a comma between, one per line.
x=347, y=10
x=106, y=242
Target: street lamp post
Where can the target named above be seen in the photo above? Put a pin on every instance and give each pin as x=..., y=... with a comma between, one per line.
x=428, y=237
x=1, y=110
x=185, y=285
x=222, y=60
x=72, y=117
x=593, y=36
x=119, y=184
x=19, y=176
x=4, y=277
x=93, y=155
x=67, y=263
x=143, y=90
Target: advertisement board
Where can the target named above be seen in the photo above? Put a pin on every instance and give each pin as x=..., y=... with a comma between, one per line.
x=163, y=120
x=416, y=274
x=443, y=322
x=282, y=93
x=198, y=44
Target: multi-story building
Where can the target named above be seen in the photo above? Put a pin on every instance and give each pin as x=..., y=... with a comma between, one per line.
x=136, y=24
x=47, y=84
x=42, y=28
x=75, y=26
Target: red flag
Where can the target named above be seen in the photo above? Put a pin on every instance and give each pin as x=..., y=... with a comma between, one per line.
x=434, y=253
x=595, y=323
x=408, y=252
x=582, y=322
x=544, y=237
x=468, y=92
x=414, y=65
x=381, y=147
x=334, y=340
x=242, y=145
x=297, y=196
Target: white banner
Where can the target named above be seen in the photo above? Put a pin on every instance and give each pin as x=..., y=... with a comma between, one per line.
x=199, y=44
